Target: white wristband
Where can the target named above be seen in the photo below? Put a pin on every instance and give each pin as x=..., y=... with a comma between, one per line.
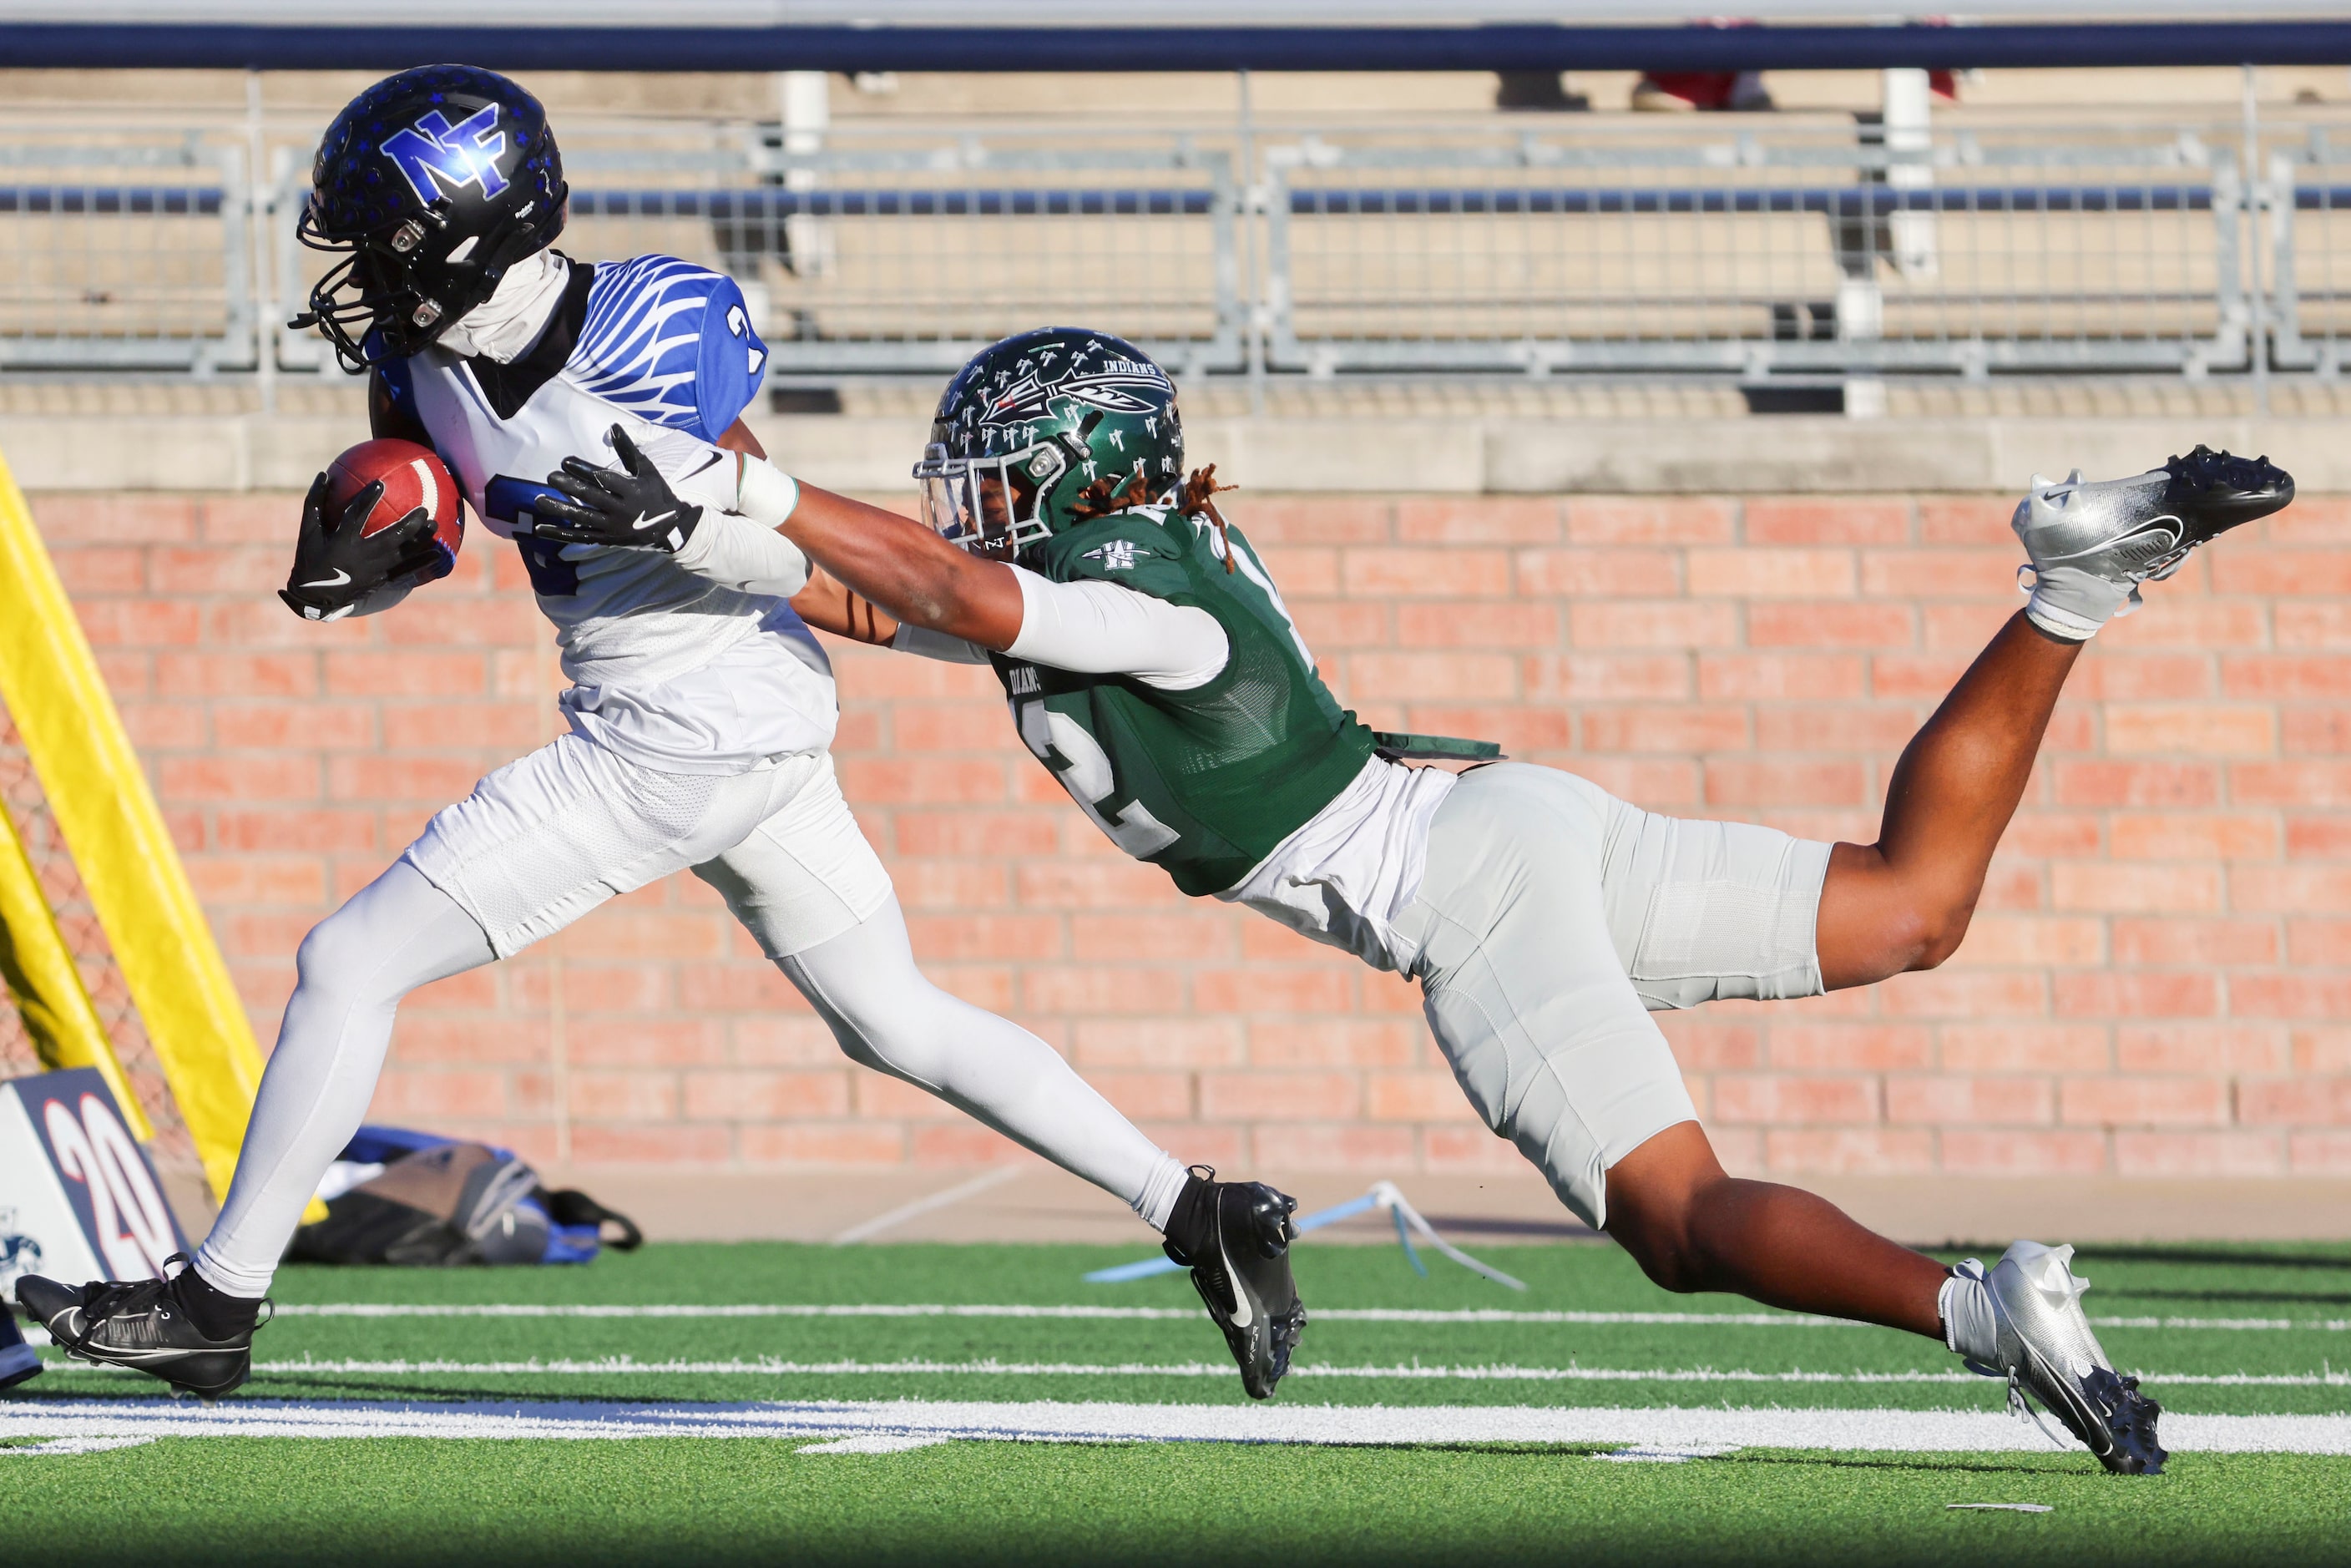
x=766, y=494
x=742, y=553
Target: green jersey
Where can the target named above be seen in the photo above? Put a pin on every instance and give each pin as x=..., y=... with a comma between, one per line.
x=1205, y=783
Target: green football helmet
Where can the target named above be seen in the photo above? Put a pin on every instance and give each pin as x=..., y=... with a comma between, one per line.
x=1044, y=431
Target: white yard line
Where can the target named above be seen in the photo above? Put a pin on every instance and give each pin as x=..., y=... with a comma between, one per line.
x=1883, y=1431
x=764, y=1367
x=1144, y=1315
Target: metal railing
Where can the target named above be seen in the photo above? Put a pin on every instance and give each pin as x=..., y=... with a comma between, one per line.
x=1745, y=246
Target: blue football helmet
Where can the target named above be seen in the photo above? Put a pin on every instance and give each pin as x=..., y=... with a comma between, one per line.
x=430, y=184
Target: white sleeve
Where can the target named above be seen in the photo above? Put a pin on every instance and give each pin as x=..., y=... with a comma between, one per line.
x=924, y=644
x=727, y=547
x=1107, y=628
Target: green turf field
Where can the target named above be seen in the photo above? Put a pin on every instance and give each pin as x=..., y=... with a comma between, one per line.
x=815, y=1404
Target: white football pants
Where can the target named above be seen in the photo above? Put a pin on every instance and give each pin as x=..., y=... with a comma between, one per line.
x=402, y=931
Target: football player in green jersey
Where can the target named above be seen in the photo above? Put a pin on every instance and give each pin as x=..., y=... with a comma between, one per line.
x=1153, y=668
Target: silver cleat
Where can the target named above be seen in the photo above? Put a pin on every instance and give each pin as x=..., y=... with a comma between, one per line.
x=2047, y=1351
x=2091, y=542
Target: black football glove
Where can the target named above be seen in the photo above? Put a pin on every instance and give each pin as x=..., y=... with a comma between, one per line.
x=630, y=507
x=336, y=566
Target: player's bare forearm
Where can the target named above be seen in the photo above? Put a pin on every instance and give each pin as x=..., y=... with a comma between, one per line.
x=909, y=571
x=828, y=606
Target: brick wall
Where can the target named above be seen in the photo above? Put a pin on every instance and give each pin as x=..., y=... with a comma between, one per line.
x=2154, y=983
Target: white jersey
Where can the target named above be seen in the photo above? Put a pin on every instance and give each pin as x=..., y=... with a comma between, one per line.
x=669, y=669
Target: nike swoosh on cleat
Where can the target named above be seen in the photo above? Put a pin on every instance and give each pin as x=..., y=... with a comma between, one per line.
x=643, y=522
x=1243, y=1315
x=340, y=577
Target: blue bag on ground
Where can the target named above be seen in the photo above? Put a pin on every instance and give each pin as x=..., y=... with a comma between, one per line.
x=419, y=1200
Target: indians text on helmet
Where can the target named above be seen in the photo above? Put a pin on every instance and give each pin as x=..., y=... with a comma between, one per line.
x=438, y=157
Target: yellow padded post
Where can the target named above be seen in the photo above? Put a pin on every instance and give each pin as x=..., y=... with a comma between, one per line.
x=50, y=997
x=107, y=814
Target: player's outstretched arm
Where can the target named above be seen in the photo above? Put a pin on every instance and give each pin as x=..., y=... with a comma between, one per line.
x=907, y=569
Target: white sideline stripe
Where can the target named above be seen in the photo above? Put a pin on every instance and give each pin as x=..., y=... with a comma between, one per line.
x=62, y=1447
x=762, y=1366
x=1883, y=1431
x=895, y=1217
x=1146, y=1314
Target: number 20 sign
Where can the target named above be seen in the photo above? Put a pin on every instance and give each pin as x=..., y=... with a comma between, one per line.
x=80, y=1185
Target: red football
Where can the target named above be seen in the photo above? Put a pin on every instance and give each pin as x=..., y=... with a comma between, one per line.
x=413, y=476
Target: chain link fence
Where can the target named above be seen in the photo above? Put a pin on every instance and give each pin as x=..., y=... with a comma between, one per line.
x=1747, y=245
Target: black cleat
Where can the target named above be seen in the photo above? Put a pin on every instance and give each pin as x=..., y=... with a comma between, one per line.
x=139, y=1324
x=19, y=1361
x=1235, y=1237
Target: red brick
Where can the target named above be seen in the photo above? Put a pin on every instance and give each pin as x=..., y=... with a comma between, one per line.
x=1759, y=573
x=1337, y=1042
x=1280, y=1096
x=1492, y=625
x=1320, y=991
x=2005, y=1152
x=1191, y=935
x=1626, y=520
x=1641, y=727
x=655, y=1146
x=2141, y=888
x=2290, y=995
x=1599, y=677
x=1940, y=574
x=1766, y=781
x=1427, y=1096
x=1814, y=624
x=1189, y=1042
x=1654, y=623
x=136, y=518
x=1853, y=1047
x=1309, y=519
x=764, y=1096
x=2165, y=1102
x=1966, y=520
x=1583, y=572
x=1947, y=1101
x=1451, y=676
x=855, y=1143
x=1878, y=1151
x=1837, y=726
x=2137, y=995
x=2205, y=729
x=929, y=780
x=1483, y=520
x=2217, y=942
x=2173, y=835
x=1366, y=572
x=2290, y=783
x=2137, y=783
x=1798, y=677
x=1820, y=520
x=2281, y=571
x=1784, y=1099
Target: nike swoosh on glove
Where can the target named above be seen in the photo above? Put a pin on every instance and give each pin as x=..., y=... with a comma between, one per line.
x=335, y=565
x=630, y=507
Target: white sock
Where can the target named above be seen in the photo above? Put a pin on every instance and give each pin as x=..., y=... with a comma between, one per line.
x=1156, y=1201
x=1968, y=1326
x=2071, y=604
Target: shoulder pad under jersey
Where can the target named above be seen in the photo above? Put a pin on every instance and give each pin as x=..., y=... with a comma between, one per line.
x=1144, y=548
x=670, y=342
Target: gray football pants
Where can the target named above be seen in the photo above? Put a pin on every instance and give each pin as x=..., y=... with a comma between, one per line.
x=1552, y=919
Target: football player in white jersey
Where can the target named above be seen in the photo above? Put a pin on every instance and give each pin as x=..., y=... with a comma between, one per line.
x=1152, y=666
x=700, y=713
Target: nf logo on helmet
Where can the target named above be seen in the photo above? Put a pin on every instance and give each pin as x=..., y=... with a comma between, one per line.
x=435, y=154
